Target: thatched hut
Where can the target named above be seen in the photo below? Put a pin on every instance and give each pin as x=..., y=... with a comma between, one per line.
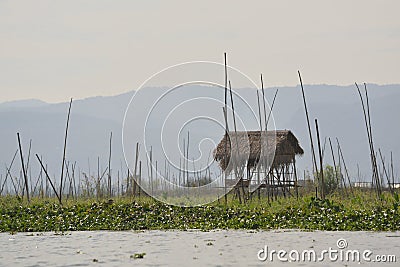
x=279, y=147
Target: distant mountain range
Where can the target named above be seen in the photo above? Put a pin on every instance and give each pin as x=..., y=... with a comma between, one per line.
x=337, y=109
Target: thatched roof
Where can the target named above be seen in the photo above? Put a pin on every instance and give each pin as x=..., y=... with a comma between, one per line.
x=280, y=146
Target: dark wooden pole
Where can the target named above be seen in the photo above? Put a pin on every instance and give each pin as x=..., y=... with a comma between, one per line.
x=65, y=150
x=226, y=125
x=321, y=171
x=367, y=120
x=23, y=167
x=308, y=124
x=344, y=165
x=135, y=170
x=334, y=161
x=109, y=168
x=48, y=178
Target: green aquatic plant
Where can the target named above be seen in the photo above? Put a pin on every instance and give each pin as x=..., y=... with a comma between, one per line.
x=360, y=212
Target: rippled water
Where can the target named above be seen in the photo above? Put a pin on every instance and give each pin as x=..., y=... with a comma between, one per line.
x=182, y=248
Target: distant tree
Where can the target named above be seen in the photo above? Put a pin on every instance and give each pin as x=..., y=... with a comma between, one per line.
x=331, y=177
x=195, y=182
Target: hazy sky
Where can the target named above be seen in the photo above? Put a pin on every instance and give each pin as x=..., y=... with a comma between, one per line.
x=54, y=50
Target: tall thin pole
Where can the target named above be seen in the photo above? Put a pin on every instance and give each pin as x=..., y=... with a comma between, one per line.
x=375, y=176
x=261, y=148
x=266, y=137
x=48, y=178
x=334, y=161
x=5, y=180
x=391, y=167
x=370, y=135
x=225, y=152
x=65, y=150
x=342, y=180
x=226, y=126
x=320, y=161
x=140, y=176
x=135, y=170
x=23, y=167
x=344, y=165
x=308, y=124
x=259, y=111
x=187, y=159
x=385, y=172
x=272, y=107
x=27, y=167
x=151, y=170
x=236, y=158
x=109, y=168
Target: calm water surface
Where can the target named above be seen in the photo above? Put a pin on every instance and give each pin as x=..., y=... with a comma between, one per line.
x=186, y=248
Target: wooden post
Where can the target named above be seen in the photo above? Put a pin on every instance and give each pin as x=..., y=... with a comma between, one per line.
x=344, y=165
x=226, y=126
x=135, y=170
x=23, y=168
x=308, y=124
x=334, y=162
x=295, y=178
x=109, y=169
x=48, y=178
x=140, y=176
x=65, y=150
x=367, y=120
x=320, y=162
x=7, y=174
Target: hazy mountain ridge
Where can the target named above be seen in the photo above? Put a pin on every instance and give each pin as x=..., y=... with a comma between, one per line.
x=337, y=108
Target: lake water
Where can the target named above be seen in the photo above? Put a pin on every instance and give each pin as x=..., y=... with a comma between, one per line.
x=195, y=248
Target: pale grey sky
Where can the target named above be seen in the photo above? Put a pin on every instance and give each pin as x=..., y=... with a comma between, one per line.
x=54, y=50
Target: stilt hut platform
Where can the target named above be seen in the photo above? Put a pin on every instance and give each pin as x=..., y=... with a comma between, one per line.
x=266, y=159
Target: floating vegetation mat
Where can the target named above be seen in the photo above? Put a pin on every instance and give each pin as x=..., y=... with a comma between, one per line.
x=358, y=213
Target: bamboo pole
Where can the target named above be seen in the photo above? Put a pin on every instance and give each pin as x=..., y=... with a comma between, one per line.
x=98, y=179
x=13, y=182
x=184, y=164
x=27, y=166
x=73, y=179
x=140, y=177
x=135, y=170
x=391, y=167
x=272, y=107
x=187, y=158
x=367, y=120
x=5, y=180
x=235, y=159
x=65, y=150
x=225, y=153
x=266, y=120
x=385, y=172
x=266, y=136
x=344, y=165
x=37, y=182
x=23, y=167
x=151, y=171
x=295, y=178
x=321, y=172
x=48, y=178
x=226, y=125
x=261, y=149
x=334, y=161
x=109, y=168
x=308, y=124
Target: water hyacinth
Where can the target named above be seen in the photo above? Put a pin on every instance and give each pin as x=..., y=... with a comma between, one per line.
x=307, y=213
